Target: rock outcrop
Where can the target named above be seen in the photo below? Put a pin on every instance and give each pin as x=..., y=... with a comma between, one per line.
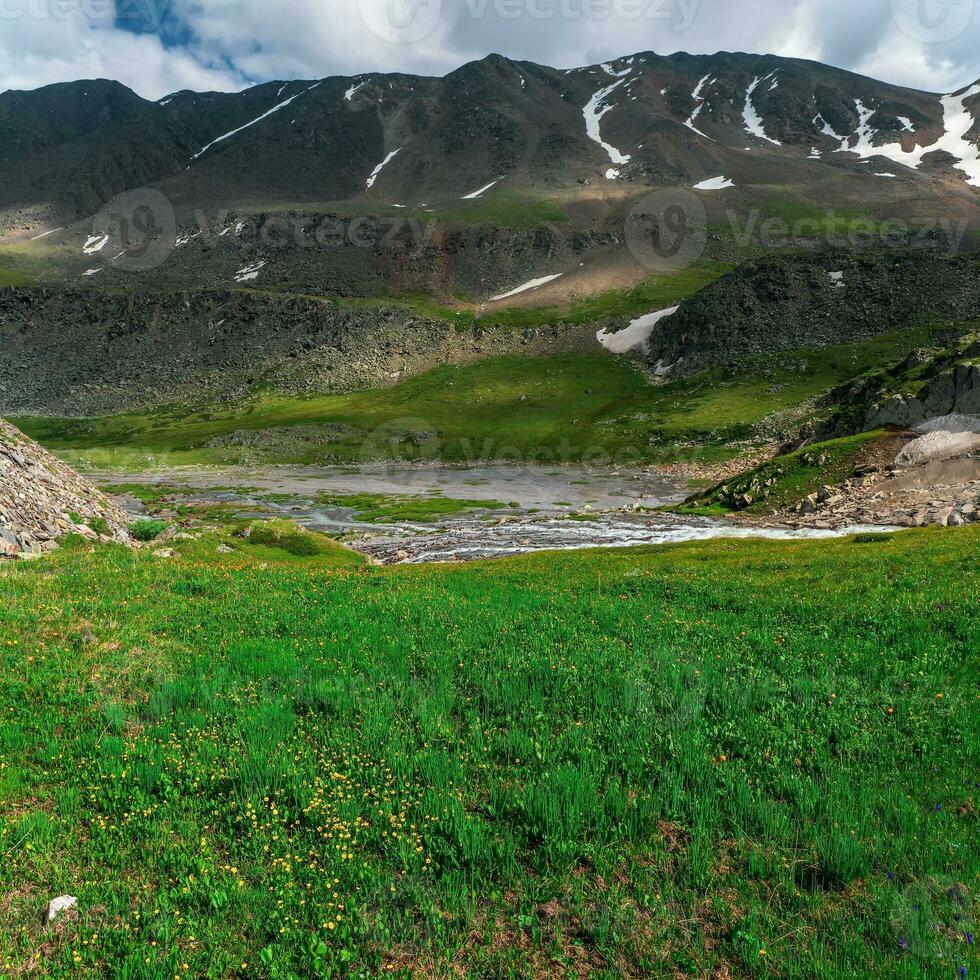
x=42, y=500
x=803, y=301
x=956, y=390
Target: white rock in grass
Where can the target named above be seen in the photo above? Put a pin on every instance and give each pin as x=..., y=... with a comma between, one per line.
x=60, y=905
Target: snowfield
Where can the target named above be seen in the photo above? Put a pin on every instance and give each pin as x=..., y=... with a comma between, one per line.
x=753, y=121
x=354, y=89
x=957, y=123
x=384, y=163
x=257, y=119
x=481, y=191
x=701, y=101
x=533, y=284
x=715, y=184
x=250, y=272
x=594, y=111
x=95, y=244
x=942, y=438
x=636, y=335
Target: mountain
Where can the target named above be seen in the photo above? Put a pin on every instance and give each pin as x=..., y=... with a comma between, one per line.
x=332, y=235
x=69, y=147
x=468, y=188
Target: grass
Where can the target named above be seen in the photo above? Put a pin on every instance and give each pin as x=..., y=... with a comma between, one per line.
x=146, y=493
x=277, y=538
x=511, y=210
x=379, y=508
x=506, y=210
x=147, y=530
x=733, y=759
x=15, y=269
x=564, y=409
x=785, y=217
x=654, y=294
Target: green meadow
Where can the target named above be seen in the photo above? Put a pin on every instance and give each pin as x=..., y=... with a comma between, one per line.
x=570, y=408
x=735, y=759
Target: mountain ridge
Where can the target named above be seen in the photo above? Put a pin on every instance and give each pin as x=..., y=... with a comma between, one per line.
x=653, y=116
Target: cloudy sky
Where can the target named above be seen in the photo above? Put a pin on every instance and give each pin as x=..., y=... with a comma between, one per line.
x=159, y=46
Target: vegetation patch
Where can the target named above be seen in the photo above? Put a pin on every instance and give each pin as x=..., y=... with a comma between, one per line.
x=287, y=537
x=147, y=530
x=733, y=758
x=571, y=408
x=146, y=493
x=378, y=508
x=16, y=269
x=658, y=293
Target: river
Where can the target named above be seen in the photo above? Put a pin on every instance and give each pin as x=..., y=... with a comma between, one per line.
x=547, y=508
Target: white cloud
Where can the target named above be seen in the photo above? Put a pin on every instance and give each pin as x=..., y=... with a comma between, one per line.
x=237, y=41
x=39, y=50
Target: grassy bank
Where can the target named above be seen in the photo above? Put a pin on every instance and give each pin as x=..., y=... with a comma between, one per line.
x=569, y=408
x=734, y=759
x=782, y=482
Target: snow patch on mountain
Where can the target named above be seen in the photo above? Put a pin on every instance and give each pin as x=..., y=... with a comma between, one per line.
x=354, y=89
x=95, y=244
x=596, y=108
x=250, y=272
x=533, y=284
x=480, y=192
x=636, y=335
x=715, y=184
x=957, y=123
x=827, y=129
x=753, y=121
x=258, y=119
x=701, y=101
x=384, y=163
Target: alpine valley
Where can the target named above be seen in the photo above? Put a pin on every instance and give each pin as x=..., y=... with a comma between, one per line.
x=302, y=358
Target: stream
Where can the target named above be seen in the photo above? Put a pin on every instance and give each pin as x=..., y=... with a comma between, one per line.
x=546, y=509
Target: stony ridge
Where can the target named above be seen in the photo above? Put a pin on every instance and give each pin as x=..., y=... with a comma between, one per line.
x=78, y=352
x=804, y=301
x=42, y=500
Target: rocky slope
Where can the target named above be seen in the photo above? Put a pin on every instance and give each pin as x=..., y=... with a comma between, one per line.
x=928, y=384
x=42, y=500
x=81, y=352
x=806, y=301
